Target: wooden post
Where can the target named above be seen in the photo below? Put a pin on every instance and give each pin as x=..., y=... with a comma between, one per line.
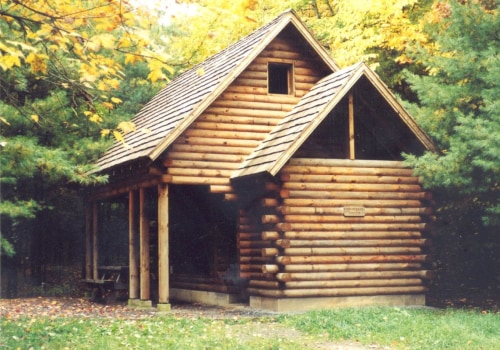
x=144, y=247
x=163, y=247
x=88, y=241
x=351, y=127
x=95, y=246
x=132, y=252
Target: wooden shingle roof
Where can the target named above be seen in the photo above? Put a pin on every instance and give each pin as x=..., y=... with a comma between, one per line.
x=285, y=139
x=175, y=107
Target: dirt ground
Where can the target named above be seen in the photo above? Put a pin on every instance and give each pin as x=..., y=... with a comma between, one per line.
x=80, y=307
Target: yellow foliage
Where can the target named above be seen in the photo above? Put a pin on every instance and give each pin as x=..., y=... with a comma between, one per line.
x=38, y=62
x=35, y=118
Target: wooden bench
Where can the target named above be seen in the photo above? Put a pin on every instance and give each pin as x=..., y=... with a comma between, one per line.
x=111, y=284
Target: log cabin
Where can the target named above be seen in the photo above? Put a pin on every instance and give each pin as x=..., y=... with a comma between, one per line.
x=268, y=175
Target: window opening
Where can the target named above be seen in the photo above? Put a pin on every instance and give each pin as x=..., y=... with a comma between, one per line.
x=280, y=78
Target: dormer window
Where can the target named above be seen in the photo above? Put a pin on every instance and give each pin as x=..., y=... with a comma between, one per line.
x=280, y=78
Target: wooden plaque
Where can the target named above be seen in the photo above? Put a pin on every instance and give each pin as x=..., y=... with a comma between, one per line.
x=354, y=211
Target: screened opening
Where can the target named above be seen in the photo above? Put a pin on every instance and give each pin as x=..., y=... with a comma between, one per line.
x=280, y=78
x=379, y=132
x=202, y=231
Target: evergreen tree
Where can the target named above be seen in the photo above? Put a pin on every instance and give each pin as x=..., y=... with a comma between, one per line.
x=459, y=105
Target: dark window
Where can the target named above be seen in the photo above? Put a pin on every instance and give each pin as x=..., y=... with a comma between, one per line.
x=280, y=78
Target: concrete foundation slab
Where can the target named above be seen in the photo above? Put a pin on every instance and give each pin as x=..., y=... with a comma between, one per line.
x=306, y=304
x=203, y=297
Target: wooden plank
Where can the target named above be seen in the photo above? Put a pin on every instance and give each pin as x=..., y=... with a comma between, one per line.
x=314, y=226
x=144, y=248
x=133, y=251
x=231, y=127
x=347, y=235
x=95, y=240
x=257, y=135
x=352, y=179
x=349, y=267
x=317, y=194
x=370, y=211
x=343, y=259
x=203, y=148
x=357, y=187
x=340, y=203
x=347, y=170
x=351, y=275
x=163, y=244
x=88, y=241
x=393, y=242
x=239, y=119
x=223, y=144
x=208, y=157
x=324, y=218
x=349, y=251
x=337, y=292
x=352, y=152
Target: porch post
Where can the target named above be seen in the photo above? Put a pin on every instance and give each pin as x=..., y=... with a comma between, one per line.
x=88, y=241
x=144, y=250
x=352, y=151
x=132, y=248
x=95, y=245
x=163, y=248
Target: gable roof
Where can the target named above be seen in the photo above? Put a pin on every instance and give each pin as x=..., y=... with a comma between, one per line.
x=285, y=139
x=174, y=108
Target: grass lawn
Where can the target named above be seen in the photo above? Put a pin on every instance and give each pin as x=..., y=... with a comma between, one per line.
x=396, y=328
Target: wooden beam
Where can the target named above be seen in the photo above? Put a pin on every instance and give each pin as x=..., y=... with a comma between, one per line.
x=95, y=242
x=88, y=241
x=144, y=247
x=132, y=248
x=163, y=246
x=352, y=154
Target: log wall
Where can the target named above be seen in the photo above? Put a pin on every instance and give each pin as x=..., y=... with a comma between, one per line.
x=378, y=245
x=228, y=131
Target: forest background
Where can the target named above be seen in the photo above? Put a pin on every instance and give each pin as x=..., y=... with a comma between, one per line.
x=73, y=73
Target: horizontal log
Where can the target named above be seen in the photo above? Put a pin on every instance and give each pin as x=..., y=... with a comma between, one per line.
x=298, y=63
x=270, y=252
x=296, y=210
x=245, y=120
x=220, y=142
x=210, y=149
x=241, y=89
x=241, y=135
x=245, y=112
x=244, y=236
x=290, y=243
x=269, y=202
x=259, y=83
x=310, y=268
x=269, y=268
x=263, y=284
x=323, y=202
x=253, y=244
x=255, y=259
x=305, y=226
x=208, y=157
x=284, y=100
x=344, y=219
x=257, y=276
x=297, y=193
x=346, y=251
x=270, y=235
x=198, y=180
x=355, y=283
x=342, y=259
x=226, y=189
x=195, y=171
x=337, y=292
x=232, y=127
x=250, y=252
x=198, y=164
x=251, y=268
x=356, y=275
x=345, y=163
x=270, y=219
x=355, y=187
x=348, y=235
x=348, y=179
x=337, y=170
x=288, y=55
